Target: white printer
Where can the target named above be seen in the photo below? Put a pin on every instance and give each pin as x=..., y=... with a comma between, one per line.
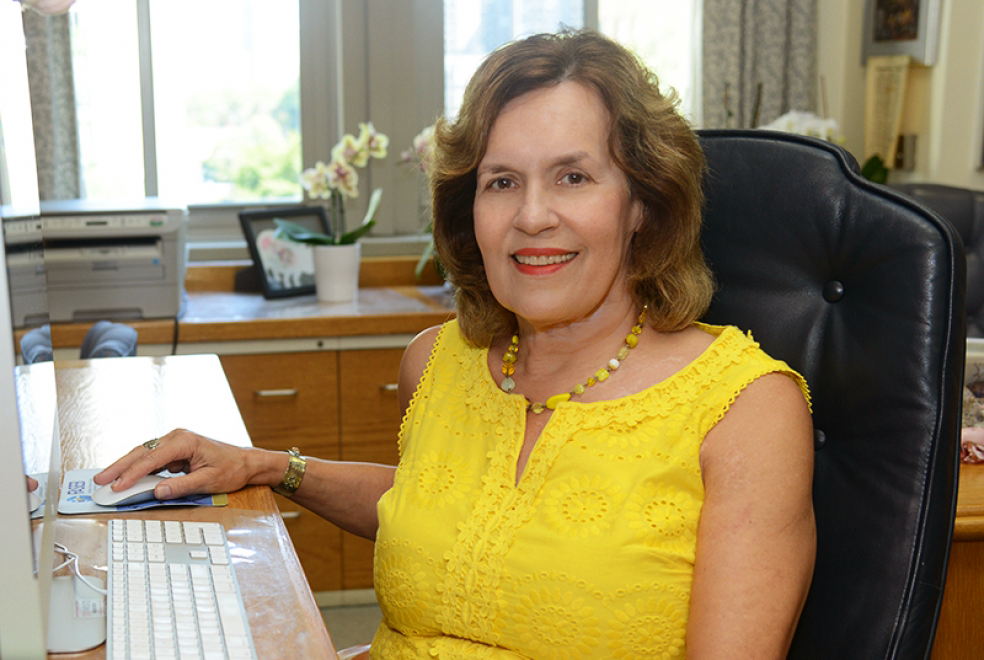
x=113, y=261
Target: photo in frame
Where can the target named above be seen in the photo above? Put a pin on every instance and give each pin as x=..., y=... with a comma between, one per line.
x=901, y=27
x=284, y=268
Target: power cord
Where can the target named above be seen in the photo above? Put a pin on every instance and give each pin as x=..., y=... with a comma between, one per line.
x=72, y=560
x=174, y=337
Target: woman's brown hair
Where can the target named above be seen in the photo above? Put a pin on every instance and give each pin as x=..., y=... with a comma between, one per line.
x=650, y=142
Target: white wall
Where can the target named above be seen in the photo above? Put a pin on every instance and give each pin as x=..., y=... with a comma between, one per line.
x=944, y=103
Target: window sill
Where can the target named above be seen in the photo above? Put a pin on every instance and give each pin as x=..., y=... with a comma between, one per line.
x=236, y=250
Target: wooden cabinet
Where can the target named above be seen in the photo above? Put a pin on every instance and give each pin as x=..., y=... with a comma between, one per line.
x=370, y=416
x=289, y=399
x=333, y=405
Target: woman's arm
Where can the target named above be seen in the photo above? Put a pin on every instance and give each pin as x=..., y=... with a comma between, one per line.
x=343, y=493
x=756, y=540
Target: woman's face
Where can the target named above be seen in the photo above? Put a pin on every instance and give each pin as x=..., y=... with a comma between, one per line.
x=553, y=215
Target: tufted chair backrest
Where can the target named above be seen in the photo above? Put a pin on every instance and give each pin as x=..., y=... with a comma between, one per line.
x=861, y=291
x=964, y=209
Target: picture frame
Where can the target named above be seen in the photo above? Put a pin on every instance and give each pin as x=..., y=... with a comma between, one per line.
x=901, y=27
x=283, y=268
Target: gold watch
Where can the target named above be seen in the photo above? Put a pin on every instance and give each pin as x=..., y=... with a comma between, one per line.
x=293, y=475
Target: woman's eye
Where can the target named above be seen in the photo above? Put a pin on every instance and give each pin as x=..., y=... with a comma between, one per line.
x=500, y=183
x=574, y=178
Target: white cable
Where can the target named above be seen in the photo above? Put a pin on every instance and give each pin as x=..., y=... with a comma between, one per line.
x=72, y=560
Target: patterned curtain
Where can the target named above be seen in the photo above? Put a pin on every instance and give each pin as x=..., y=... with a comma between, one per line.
x=759, y=60
x=49, y=72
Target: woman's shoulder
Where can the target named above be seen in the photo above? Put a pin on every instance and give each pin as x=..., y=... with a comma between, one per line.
x=746, y=359
x=730, y=343
x=715, y=352
x=420, y=350
x=439, y=340
x=422, y=346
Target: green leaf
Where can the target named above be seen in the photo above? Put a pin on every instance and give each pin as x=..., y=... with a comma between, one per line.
x=424, y=258
x=292, y=231
x=367, y=223
x=874, y=169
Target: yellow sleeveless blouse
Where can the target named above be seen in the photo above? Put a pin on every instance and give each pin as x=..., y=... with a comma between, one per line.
x=591, y=555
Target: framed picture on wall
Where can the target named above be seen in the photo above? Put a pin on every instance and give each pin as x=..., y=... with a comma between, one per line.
x=284, y=268
x=901, y=27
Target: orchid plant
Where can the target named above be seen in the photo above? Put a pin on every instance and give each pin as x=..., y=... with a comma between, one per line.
x=337, y=181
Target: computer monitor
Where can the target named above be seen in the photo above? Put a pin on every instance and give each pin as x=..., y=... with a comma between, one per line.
x=23, y=607
x=22, y=617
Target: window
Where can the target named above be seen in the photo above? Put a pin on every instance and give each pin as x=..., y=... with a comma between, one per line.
x=664, y=33
x=106, y=71
x=472, y=30
x=226, y=109
x=227, y=99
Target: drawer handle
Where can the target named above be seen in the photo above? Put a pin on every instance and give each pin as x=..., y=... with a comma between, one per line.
x=271, y=394
x=389, y=387
x=290, y=515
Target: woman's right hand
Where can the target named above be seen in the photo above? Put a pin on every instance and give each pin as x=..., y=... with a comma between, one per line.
x=210, y=466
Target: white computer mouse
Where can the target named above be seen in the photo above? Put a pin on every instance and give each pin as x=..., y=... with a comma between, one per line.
x=33, y=501
x=141, y=491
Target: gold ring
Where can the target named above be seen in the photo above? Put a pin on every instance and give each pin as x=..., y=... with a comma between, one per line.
x=152, y=444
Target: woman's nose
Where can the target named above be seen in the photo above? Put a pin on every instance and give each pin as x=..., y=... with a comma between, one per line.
x=536, y=213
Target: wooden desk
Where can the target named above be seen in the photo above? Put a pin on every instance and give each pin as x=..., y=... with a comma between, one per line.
x=960, y=633
x=106, y=407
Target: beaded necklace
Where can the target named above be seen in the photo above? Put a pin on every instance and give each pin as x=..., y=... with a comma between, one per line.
x=509, y=368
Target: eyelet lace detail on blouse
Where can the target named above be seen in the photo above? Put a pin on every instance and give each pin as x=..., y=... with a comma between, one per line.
x=591, y=554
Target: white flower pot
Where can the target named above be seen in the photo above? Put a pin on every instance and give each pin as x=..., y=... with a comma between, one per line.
x=336, y=272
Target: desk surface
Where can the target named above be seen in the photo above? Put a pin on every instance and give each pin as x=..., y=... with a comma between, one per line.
x=108, y=406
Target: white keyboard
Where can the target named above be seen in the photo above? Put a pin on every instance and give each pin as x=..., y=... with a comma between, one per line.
x=172, y=593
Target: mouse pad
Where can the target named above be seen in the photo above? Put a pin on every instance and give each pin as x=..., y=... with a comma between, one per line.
x=77, y=488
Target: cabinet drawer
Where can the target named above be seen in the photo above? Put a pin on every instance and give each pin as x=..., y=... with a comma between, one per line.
x=286, y=398
x=369, y=409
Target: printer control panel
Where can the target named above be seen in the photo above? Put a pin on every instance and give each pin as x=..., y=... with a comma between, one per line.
x=114, y=221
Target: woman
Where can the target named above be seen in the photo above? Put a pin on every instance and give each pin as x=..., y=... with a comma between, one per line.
x=585, y=471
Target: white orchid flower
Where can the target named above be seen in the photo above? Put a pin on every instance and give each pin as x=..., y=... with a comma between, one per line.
x=316, y=180
x=350, y=151
x=343, y=177
x=420, y=152
x=374, y=141
x=806, y=123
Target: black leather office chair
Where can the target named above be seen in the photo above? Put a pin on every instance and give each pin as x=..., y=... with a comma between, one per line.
x=862, y=291
x=964, y=209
